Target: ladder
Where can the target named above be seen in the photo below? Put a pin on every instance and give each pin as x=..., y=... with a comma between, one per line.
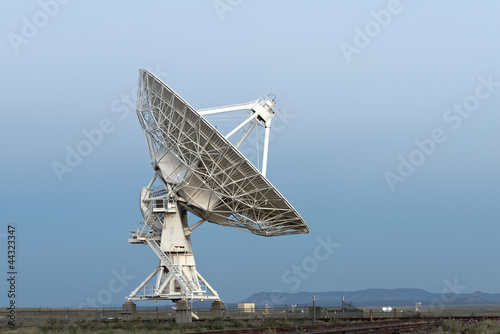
x=153, y=240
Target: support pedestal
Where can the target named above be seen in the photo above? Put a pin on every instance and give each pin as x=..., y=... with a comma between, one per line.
x=128, y=310
x=183, y=312
x=217, y=310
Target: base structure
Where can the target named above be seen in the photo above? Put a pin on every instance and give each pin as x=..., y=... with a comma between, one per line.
x=165, y=229
x=184, y=312
x=218, y=310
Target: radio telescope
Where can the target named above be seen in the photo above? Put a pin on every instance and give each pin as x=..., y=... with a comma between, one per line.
x=198, y=170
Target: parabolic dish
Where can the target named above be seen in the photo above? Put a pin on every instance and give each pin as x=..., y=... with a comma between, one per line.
x=205, y=170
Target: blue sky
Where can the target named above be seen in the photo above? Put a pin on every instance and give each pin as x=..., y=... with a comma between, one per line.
x=387, y=143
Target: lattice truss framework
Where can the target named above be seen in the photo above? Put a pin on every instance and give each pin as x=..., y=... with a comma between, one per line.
x=242, y=197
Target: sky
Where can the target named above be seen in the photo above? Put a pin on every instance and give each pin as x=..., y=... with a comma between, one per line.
x=386, y=142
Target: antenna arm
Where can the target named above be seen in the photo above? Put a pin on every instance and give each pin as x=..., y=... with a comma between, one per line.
x=249, y=119
x=266, y=147
x=245, y=135
x=189, y=230
x=234, y=107
x=145, y=195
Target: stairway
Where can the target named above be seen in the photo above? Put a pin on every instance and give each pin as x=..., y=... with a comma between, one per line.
x=153, y=239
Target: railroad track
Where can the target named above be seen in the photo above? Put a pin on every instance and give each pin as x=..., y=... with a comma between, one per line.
x=378, y=327
x=422, y=325
x=385, y=328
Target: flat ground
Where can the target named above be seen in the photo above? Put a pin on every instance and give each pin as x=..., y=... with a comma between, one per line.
x=46, y=320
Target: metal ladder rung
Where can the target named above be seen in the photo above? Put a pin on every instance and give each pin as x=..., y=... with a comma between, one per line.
x=152, y=242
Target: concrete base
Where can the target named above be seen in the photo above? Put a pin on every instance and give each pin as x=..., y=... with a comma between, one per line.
x=128, y=310
x=183, y=312
x=217, y=310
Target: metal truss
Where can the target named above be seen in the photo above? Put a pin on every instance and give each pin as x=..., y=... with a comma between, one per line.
x=198, y=170
x=208, y=175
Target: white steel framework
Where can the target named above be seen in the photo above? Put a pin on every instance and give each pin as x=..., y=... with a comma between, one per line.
x=198, y=170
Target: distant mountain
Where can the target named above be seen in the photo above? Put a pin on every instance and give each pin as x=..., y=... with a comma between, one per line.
x=373, y=297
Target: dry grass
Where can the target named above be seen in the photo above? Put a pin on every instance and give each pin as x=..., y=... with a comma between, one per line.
x=35, y=321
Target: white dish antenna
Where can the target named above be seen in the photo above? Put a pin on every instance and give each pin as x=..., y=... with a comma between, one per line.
x=198, y=170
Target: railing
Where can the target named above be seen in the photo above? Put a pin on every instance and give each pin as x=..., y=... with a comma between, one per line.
x=43, y=316
x=141, y=233
x=146, y=234
x=156, y=192
x=149, y=290
x=169, y=263
x=153, y=240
